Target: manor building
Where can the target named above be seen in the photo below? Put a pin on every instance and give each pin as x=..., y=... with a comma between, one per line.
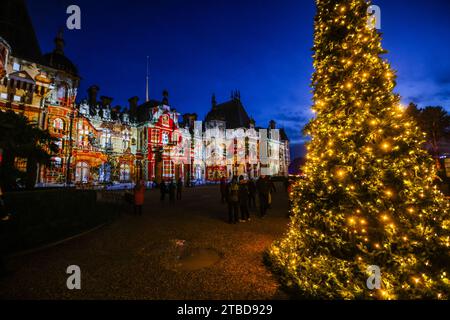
x=101, y=143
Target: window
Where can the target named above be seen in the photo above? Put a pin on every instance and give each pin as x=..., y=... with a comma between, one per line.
x=167, y=168
x=224, y=151
x=56, y=163
x=155, y=136
x=106, y=139
x=165, y=120
x=60, y=145
x=16, y=66
x=82, y=172
x=165, y=138
x=21, y=164
x=124, y=172
x=62, y=93
x=58, y=124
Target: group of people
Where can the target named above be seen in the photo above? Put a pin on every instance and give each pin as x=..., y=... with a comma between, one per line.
x=172, y=189
x=240, y=195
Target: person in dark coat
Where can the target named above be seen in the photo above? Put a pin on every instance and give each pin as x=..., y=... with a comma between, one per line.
x=163, y=191
x=263, y=187
x=243, y=199
x=172, y=191
x=223, y=190
x=179, y=188
x=272, y=190
x=251, y=194
x=233, y=201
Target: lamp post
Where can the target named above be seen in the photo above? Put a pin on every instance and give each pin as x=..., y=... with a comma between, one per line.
x=69, y=158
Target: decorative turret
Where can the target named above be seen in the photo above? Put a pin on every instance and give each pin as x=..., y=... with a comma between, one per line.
x=56, y=59
x=84, y=108
x=235, y=95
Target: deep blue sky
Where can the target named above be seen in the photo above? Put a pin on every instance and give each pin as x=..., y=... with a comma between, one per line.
x=261, y=47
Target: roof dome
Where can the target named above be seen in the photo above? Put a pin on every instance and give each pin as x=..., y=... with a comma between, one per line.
x=60, y=62
x=57, y=59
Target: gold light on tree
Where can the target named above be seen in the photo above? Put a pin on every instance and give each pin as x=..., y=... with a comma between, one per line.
x=368, y=197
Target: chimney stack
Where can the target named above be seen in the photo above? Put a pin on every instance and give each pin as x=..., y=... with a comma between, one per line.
x=133, y=101
x=189, y=119
x=272, y=124
x=92, y=94
x=106, y=101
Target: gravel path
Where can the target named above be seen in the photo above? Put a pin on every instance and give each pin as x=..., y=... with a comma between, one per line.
x=137, y=257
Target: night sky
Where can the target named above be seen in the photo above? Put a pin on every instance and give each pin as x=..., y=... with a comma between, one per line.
x=261, y=47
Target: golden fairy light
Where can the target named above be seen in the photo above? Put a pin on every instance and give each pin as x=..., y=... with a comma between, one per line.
x=369, y=184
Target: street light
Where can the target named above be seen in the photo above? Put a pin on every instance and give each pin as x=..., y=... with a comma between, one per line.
x=69, y=159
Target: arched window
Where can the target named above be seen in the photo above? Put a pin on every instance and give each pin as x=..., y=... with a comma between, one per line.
x=165, y=120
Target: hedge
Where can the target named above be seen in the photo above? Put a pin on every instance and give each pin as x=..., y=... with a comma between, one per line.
x=44, y=216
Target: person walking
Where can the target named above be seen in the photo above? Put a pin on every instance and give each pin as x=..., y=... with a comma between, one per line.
x=223, y=189
x=272, y=190
x=179, y=188
x=251, y=194
x=243, y=199
x=139, y=197
x=163, y=191
x=172, y=190
x=233, y=201
x=263, y=192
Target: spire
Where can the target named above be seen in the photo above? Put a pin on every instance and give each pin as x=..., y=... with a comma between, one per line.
x=146, y=85
x=213, y=101
x=165, y=100
x=59, y=42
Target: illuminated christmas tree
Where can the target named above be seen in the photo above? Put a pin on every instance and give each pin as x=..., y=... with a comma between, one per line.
x=368, y=198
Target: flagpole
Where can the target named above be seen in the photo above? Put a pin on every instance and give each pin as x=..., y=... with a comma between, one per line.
x=146, y=86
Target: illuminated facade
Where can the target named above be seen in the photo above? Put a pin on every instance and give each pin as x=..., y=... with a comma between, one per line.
x=45, y=93
x=233, y=146
x=100, y=143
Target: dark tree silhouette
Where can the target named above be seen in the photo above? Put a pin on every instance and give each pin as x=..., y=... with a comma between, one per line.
x=20, y=138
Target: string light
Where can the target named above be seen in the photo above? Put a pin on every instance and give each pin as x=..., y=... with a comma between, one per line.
x=365, y=160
